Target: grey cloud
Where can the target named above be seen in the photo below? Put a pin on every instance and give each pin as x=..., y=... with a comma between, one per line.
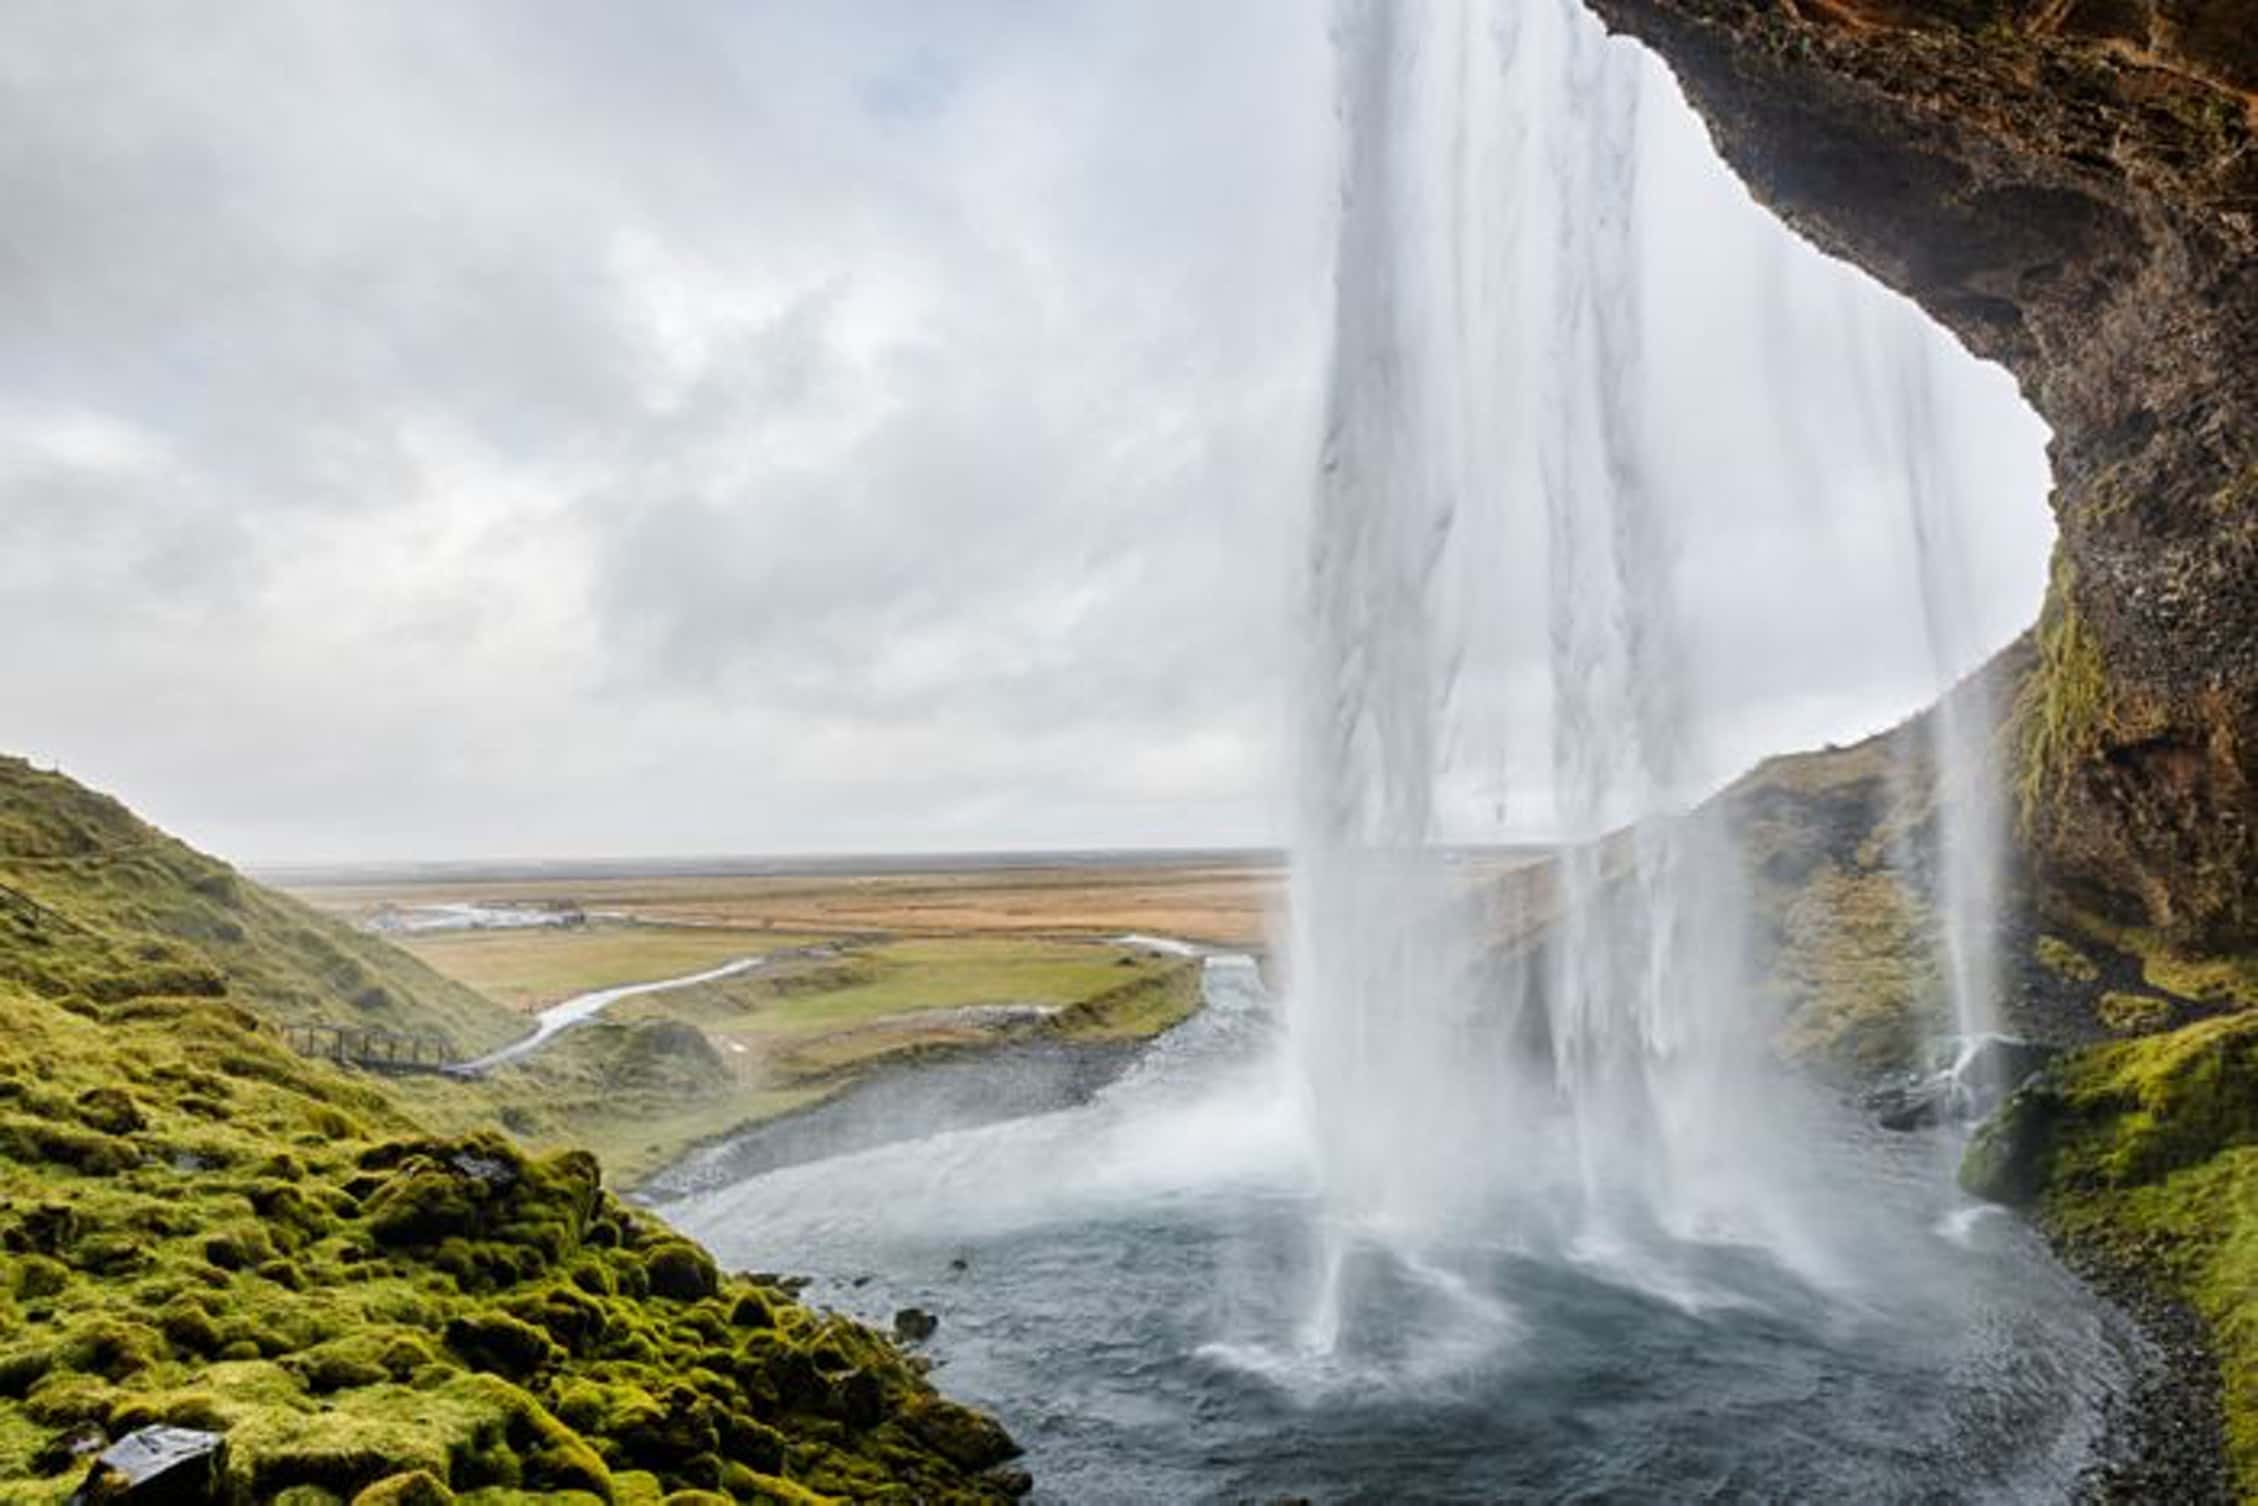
x=530, y=427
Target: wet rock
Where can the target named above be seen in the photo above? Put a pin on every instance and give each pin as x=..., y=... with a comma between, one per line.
x=914, y=1325
x=967, y=1439
x=1996, y=1067
x=2008, y=1159
x=491, y=1171
x=156, y=1464
x=1012, y=1482
x=1911, y=1103
x=1977, y=1082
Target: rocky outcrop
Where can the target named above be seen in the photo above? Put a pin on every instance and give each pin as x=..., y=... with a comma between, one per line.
x=2072, y=187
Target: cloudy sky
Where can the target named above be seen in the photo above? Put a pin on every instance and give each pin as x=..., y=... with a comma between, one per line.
x=551, y=428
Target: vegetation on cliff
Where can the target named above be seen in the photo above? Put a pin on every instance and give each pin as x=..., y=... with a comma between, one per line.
x=199, y=1227
x=1838, y=845
x=2145, y=1152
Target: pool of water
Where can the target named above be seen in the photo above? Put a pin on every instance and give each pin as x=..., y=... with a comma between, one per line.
x=1142, y=1287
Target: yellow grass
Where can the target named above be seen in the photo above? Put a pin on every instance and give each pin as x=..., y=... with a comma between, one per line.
x=1225, y=905
x=538, y=966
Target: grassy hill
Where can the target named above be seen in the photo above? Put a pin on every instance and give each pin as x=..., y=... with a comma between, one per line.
x=200, y=1227
x=97, y=904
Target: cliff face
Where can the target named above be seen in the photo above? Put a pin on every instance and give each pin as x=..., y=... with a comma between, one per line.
x=2072, y=187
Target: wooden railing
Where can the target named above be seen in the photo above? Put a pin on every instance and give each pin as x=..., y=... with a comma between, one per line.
x=374, y=1048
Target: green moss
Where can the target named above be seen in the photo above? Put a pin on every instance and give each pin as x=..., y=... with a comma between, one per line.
x=970, y=1439
x=505, y=1345
x=2133, y=1014
x=2065, y=961
x=1143, y=1007
x=200, y=1227
x=1859, y=966
x=415, y=1487
x=102, y=907
x=2229, y=978
x=37, y=1278
x=2063, y=711
x=682, y=1271
x=373, y=1307
x=2146, y=1151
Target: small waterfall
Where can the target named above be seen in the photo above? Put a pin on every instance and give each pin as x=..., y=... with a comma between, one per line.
x=1576, y=1056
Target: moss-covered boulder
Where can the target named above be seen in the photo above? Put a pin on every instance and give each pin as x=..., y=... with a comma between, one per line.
x=415, y=1487
x=2011, y=1155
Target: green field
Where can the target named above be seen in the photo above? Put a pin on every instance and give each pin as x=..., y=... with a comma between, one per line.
x=873, y=982
x=535, y=967
x=663, y=1072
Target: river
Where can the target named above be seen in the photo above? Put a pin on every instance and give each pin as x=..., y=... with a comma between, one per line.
x=559, y=1017
x=1125, y=1282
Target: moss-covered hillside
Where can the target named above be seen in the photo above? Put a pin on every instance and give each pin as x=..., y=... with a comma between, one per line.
x=2140, y=1155
x=1841, y=847
x=97, y=903
x=201, y=1228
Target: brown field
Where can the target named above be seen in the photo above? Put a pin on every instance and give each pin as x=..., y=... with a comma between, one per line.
x=1225, y=905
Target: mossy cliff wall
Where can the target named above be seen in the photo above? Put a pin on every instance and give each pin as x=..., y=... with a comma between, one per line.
x=2072, y=187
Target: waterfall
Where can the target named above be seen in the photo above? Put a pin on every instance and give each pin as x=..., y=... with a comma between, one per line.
x=1574, y=1056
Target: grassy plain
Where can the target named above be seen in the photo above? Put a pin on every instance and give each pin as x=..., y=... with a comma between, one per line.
x=915, y=961
x=535, y=967
x=665, y=1071
x=874, y=969
x=1226, y=904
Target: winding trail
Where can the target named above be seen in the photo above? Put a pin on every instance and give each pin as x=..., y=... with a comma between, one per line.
x=559, y=1017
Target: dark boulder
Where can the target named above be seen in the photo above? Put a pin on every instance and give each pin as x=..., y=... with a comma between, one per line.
x=157, y=1465
x=1995, y=1067
x=2012, y=1153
